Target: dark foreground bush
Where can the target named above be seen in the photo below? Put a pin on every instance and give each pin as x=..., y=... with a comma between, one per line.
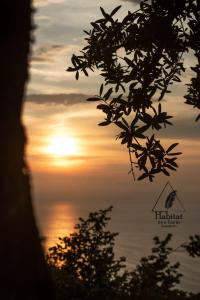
x=84, y=266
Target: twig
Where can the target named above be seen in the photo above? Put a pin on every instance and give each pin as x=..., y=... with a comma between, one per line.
x=131, y=162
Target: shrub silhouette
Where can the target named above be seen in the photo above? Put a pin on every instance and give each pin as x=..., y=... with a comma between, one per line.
x=84, y=266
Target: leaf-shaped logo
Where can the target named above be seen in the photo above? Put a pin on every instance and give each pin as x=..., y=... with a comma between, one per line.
x=170, y=199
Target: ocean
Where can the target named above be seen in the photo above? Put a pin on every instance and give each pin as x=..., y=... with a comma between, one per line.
x=131, y=217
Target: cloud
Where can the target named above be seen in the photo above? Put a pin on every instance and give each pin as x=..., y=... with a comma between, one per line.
x=42, y=18
x=134, y=1
x=46, y=2
x=58, y=99
x=183, y=128
x=47, y=53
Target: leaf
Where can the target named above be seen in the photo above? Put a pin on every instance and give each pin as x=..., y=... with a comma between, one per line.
x=121, y=125
x=142, y=161
x=115, y=10
x=197, y=118
x=136, y=147
x=100, y=21
x=101, y=90
x=171, y=162
x=103, y=107
x=134, y=122
x=165, y=172
x=106, y=16
x=123, y=88
x=125, y=122
x=151, y=141
x=146, y=118
x=128, y=61
x=170, y=167
x=105, y=123
x=93, y=99
x=171, y=147
x=96, y=26
x=144, y=175
x=159, y=108
x=152, y=161
x=108, y=93
x=86, y=32
x=70, y=69
x=124, y=140
x=151, y=177
x=142, y=129
x=176, y=78
x=160, y=147
x=85, y=72
x=103, y=12
x=175, y=153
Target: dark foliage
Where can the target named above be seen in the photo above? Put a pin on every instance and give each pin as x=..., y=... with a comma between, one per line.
x=155, y=39
x=84, y=266
x=193, y=248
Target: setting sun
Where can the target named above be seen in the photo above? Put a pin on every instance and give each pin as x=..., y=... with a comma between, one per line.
x=62, y=146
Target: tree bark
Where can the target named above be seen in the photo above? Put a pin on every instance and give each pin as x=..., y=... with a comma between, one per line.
x=23, y=270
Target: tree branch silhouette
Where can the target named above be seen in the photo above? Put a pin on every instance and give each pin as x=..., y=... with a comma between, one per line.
x=155, y=40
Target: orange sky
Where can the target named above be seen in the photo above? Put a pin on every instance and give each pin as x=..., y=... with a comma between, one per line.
x=93, y=146
x=66, y=186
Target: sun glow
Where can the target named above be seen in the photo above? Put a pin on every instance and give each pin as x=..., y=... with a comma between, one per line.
x=62, y=146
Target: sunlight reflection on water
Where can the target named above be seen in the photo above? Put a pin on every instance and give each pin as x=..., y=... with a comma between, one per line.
x=137, y=229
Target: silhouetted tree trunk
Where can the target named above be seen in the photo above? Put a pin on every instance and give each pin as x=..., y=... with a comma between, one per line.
x=23, y=271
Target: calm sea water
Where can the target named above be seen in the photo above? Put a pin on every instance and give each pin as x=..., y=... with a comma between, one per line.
x=132, y=217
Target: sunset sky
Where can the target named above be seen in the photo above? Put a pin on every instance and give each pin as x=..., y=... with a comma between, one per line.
x=75, y=163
